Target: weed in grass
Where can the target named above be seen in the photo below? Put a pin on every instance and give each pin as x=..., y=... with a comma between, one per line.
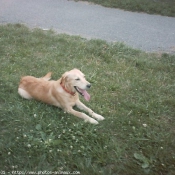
x=133, y=90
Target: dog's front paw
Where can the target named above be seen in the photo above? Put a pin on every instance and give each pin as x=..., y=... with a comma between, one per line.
x=91, y=120
x=98, y=117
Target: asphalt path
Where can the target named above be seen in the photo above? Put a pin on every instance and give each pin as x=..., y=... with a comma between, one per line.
x=151, y=33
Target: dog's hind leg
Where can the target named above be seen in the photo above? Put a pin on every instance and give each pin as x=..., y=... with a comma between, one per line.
x=24, y=94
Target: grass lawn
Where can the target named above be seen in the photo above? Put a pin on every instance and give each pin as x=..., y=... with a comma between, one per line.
x=133, y=90
x=162, y=7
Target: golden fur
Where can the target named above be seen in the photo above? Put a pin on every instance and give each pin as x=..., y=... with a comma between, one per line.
x=62, y=93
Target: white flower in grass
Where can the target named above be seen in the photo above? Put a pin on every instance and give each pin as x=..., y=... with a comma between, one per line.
x=71, y=147
x=24, y=136
x=105, y=147
x=145, y=125
x=64, y=131
x=9, y=153
x=82, y=147
x=34, y=115
x=29, y=145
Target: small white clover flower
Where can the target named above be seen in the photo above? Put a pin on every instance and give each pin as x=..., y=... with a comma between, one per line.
x=29, y=145
x=82, y=147
x=9, y=153
x=34, y=115
x=24, y=136
x=105, y=147
x=145, y=125
x=71, y=147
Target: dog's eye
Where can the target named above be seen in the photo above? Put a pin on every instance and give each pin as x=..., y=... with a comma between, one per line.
x=77, y=79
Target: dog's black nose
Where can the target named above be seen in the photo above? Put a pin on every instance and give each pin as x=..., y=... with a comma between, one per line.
x=88, y=86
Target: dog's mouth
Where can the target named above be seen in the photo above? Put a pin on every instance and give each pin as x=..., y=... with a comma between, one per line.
x=83, y=92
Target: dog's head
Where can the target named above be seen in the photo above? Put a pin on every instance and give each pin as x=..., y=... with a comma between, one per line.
x=74, y=81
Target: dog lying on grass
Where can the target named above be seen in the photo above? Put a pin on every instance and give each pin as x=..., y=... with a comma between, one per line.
x=63, y=93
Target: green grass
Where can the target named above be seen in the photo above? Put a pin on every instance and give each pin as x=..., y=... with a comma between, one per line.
x=133, y=90
x=162, y=7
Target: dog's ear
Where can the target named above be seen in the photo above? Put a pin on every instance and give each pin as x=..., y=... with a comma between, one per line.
x=64, y=78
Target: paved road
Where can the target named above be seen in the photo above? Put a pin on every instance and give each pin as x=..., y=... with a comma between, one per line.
x=138, y=30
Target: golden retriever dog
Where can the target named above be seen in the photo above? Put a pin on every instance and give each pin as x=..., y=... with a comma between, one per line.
x=63, y=93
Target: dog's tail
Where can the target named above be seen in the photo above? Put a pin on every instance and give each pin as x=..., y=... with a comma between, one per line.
x=47, y=77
